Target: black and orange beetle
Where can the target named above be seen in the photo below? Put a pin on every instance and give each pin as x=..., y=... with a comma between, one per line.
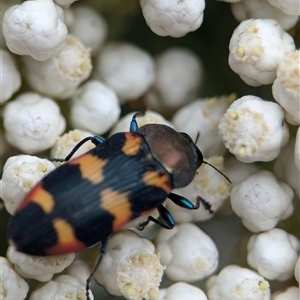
x=84, y=201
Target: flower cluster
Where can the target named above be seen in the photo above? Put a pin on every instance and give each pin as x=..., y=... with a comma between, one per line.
x=72, y=69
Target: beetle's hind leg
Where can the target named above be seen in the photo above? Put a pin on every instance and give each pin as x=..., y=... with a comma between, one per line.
x=96, y=140
x=90, y=278
x=165, y=219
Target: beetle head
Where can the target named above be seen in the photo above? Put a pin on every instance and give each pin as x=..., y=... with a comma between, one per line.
x=176, y=151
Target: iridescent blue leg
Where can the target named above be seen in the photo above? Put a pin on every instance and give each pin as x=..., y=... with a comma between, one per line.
x=185, y=203
x=165, y=219
x=133, y=124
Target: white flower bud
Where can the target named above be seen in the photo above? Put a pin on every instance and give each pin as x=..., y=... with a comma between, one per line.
x=62, y=287
x=127, y=69
x=65, y=144
x=237, y=171
x=297, y=269
x=59, y=76
x=89, y=27
x=10, y=78
x=20, y=174
x=13, y=287
x=291, y=293
x=130, y=267
x=68, y=17
x=285, y=168
x=65, y=3
x=4, y=7
x=188, y=253
x=177, y=81
x=256, y=48
x=262, y=9
x=32, y=122
x=95, y=107
x=261, y=201
x=266, y=250
x=253, y=129
x=41, y=268
x=181, y=290
x=290, y=7
x=286, y=87
x=173, y=18
x=80, y=270
x=202, y=117
x=237, y=283
x=34, y=28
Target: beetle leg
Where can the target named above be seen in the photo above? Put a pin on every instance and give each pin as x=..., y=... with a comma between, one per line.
x=96, y=140
x=185, y=203
x=165, y=219
x=90, y=278
x=206, y=205
x=133, y=124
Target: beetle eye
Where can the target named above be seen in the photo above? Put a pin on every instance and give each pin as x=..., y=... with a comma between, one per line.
x=187, y=137
x=198, y=153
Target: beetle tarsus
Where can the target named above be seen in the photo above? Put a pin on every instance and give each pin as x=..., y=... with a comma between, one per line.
x=206, y=204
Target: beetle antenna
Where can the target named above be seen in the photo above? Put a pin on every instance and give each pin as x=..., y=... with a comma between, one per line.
x=197, y=137
x=205, y=162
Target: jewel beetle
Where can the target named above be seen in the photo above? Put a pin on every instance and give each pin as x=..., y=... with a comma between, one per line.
x=85, y=200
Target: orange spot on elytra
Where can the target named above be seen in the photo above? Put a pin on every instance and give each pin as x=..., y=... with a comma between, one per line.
x=132, y=144
x=39, y=196
x=91, y=167
x=153, y=178
x=118, y=205
x=67, y=241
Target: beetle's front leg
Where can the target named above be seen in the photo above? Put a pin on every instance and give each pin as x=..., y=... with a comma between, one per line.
x=133, y=124
x=96, y=140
